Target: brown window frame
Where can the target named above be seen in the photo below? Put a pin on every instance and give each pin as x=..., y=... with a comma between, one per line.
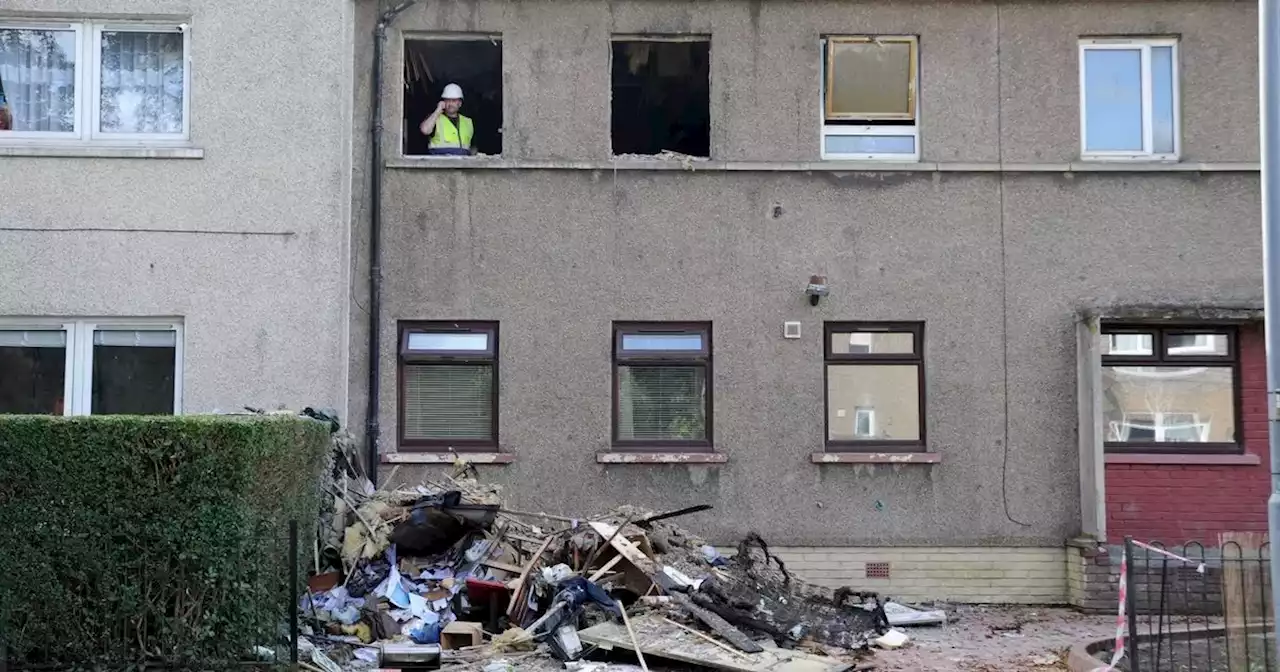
x=915, y=358
x=701, y=358
x=1160, y=358
x=405, y=357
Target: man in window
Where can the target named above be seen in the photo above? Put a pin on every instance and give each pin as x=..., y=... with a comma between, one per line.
x=450, y=132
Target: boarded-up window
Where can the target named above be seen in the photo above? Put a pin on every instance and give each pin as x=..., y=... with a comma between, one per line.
x=870, y=108
x=871, y=78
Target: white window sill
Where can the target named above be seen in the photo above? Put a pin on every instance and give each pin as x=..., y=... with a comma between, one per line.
x=1139, y=158
x=101, y=152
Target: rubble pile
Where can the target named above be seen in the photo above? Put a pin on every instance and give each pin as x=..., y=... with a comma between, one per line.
x=442, y=574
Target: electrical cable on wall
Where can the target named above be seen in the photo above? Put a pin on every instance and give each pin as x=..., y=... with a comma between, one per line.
x=1004, y=273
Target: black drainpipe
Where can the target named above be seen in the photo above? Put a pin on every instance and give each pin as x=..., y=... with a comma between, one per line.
x=372, y=429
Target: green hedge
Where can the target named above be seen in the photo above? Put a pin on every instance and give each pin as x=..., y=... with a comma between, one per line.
x=124, y=538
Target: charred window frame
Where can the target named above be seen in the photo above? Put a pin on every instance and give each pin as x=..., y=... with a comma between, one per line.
x=1189, y=372
x=857, y=354
x=470, y=60
x=662, y=386
x=447, y=382
x=653, y=110
x=861, y=119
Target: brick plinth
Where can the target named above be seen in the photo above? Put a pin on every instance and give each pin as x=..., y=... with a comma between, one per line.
x=948, y=574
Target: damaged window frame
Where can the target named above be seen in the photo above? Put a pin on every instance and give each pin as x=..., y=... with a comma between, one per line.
x=87, y=75
x=410, y=127
x=914, y=358
x=699, y=357
x=692, y=38
x=407, y=357
x=875, y=124
x=79, y=343
x=1160, y=355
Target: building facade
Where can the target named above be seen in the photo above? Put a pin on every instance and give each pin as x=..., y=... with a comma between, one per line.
x=605, y=311
x=942, y=299
x=176, y=196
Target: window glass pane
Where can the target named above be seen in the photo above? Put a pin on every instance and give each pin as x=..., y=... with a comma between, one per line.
x=32, y=371
x=133, y=372
x=448, y=401
x=872, y=342
x=662, y=403
x=37, y=80
x=142, y=82
x=462, y=342
x=1113, y=100
x=870, y=78
x=1168, y=404
x=864, y=422
x=870, y=144
x=1196, y=344
x=891, y=393
x=1128, y=344
x=662, y=342
x=1162, y=126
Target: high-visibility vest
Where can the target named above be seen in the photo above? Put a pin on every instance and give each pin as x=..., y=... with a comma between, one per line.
x=446, y=134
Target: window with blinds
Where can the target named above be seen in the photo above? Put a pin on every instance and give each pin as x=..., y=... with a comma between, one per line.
x=662, y=385
x=448, y=385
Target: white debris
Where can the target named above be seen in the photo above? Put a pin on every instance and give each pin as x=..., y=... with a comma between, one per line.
x=891, y=640
x=900, y=614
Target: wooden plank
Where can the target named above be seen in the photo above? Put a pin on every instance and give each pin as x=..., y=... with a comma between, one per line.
x=716, y=623
x=660, y=640
x=502, y=566
x=518, y=597
x=595, y=576
x=1242, y=595
x=624, y=547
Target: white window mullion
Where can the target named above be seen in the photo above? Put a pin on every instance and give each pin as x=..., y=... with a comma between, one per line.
x=84, y=372
x=85, y=94
x=178, y=359
x=95, y=81
x=1148, y=116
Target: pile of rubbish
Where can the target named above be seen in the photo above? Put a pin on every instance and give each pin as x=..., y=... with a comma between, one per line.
x=443, y=574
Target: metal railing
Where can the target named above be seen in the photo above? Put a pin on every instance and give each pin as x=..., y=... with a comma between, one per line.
x=1199, y=609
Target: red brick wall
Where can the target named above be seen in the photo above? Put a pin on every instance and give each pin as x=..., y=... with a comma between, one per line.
x=1179, y=503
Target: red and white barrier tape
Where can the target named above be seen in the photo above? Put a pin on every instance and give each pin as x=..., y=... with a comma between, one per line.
x=1121, y=621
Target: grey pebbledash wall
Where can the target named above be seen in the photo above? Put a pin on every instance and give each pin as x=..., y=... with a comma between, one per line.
x=248, y=245
x=997, y=264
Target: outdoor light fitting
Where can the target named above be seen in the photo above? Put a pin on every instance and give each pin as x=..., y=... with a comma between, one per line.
x=817, y=289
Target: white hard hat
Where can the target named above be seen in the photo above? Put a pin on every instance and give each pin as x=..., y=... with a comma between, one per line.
x=452, y=92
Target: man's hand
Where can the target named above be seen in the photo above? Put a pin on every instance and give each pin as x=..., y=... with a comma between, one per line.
x=440, y=107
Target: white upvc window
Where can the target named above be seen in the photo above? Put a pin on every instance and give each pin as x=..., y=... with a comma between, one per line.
x=870, y=107
x=63, y=366
x=113, y=83
x=1129, y=100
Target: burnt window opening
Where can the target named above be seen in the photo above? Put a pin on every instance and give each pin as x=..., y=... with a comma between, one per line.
x=473, y=63
x=662, y=96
